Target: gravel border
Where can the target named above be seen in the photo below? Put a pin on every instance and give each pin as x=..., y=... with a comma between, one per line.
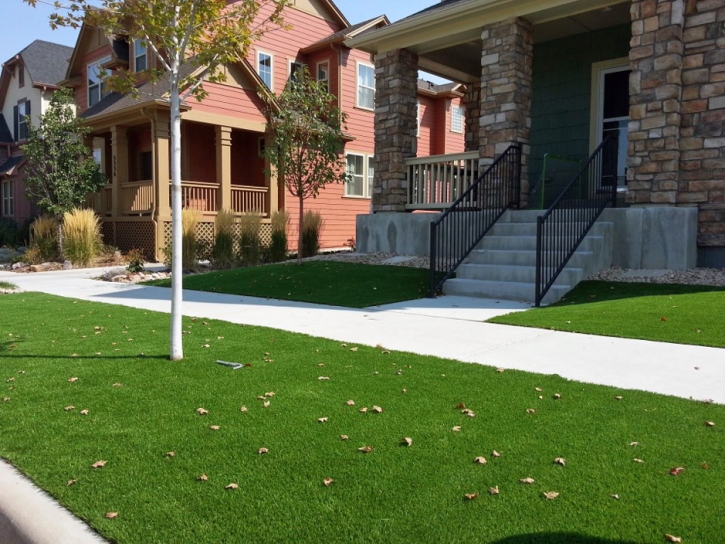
x=697, y=276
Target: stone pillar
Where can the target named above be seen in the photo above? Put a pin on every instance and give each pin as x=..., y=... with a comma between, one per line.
x=396, y=104
x=702, y=143
x=224, y=166
x=506, y=88
x=119, y=166
x=162, y=168
x=655, y=56
x=473, y=116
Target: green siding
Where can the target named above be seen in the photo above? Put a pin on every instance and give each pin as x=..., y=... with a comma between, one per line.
x=562, y=92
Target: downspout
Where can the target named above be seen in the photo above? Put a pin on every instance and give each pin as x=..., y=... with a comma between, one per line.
x=154, y=177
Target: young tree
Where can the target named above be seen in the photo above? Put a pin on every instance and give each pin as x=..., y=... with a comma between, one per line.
x=59, y=171
x=308, y=140
x=205, y=34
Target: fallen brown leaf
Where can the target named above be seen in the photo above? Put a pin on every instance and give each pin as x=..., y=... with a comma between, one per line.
x=266, y=404
x=323, y=378
x=232, y=486
x=244, y=409
x=493, y=490
x=407, y=441
x=551, y=495
x=262, y=451
x=456, y=429
x=322, y=420
x=672, y=538
x=84, y=412
x=111, y=515
x=530, y=411
x=638, y=460
x=170, y=454
x=270, y=394
x=72, y=380
x=480, y=460
x=677, y=471
x=353, y=349
x=527, y=480
x=364, y=410
x=705, y=466
x=350, y=403
x=67, y=408
x=460, y=406
x=203, y=478
x=471, y=496
x=377, y=409
x=99, y=464
x=365, y=449
x=214, y=427
x=344, y=437
x=560, y=461
x=710, y=423
x=71, y=482
x=663, y=318
x=202, y=411
x=494, y=453
x=327, y=482
x=557, y=396
x=500, y=370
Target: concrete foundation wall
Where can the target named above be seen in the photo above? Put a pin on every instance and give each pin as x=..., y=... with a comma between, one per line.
x=398, y=233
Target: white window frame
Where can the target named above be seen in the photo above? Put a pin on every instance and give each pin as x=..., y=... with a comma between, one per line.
x=8, y=198
x=367, y=175
x=99, y=63
x=271, y=67
x=462, y=113
x=137, y=56
x=326, y=79
x=359, y=85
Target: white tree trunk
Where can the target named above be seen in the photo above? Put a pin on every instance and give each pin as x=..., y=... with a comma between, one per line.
x=177, y=272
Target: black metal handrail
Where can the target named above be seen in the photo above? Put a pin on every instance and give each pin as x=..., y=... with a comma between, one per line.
x=462, y=226
x=563, y=227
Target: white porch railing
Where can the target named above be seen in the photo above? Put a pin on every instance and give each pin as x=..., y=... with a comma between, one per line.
x=436, y=182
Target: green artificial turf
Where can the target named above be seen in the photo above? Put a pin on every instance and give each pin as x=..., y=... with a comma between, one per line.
x=7, y=285
x=682, y=314
x=140, y=407
x=321, y=282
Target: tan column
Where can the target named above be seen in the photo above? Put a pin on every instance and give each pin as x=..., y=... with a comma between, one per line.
x=224, y=166
x=162, y=169
x=119, y=166
x=273, y=203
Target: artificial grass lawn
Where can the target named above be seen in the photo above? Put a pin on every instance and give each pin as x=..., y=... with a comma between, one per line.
x=321, y=282
x=681, y=314
x=392, y=494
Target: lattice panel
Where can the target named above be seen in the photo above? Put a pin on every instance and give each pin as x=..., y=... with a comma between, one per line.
x=136, y=235
x=167, y=233
x=107, y=233
x=206, y=231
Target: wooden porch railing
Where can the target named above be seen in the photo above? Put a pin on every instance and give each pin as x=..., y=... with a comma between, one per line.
x=436, y=182
x=197, y=195
x=137, y=198
x=250, y=199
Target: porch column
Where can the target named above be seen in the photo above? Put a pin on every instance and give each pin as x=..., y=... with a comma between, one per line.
x=473, y=116
x=162, y=168
x=224, y=166
x=119, y=161
x=396, y=105
x=655, y=83
x=506, y=89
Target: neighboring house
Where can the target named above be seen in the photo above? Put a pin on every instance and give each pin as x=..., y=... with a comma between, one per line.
x=557, y=77
x=27, y=83
x=223, y=135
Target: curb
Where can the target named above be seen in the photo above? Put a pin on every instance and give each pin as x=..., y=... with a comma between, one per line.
x=28, y=515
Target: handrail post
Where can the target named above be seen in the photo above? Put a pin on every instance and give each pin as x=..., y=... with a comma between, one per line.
x=539, y=259
x=431, y=292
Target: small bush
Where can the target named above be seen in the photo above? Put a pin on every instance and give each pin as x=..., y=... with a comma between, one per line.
x=189, y=220
x=81, y=236
x=9, y=232
x=311, y=230
x=43, y=240
x=223, y=251
x=278, y=247
x=136, y=260
x=249, y=244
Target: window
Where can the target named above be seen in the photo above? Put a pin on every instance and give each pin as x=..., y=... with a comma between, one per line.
x=457, y=116
x=140, y=56
x=360, y=170
x=21, y=76
x=96, y=87
x=264, y=68
x=295, y=69
x=8, y=201
x=21, y=131
x=365, y=86
x=323, y=73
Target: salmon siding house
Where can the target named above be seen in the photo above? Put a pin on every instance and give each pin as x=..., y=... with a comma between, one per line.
x=224, y=135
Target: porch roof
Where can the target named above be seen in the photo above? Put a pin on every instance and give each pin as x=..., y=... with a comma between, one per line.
x=9, y=165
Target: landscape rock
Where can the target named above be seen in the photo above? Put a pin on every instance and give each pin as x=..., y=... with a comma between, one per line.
x=67, y=265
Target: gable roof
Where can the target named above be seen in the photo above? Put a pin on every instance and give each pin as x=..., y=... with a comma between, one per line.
x=348, y=32
x=46, y=62
x=5, y=135
x=9, y=165
x=439, y=90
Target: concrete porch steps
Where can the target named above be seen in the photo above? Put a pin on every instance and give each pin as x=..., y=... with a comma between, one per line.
x=503, y=266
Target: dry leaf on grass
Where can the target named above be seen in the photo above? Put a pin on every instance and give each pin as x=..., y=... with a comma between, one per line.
x=10, y=380
x=99, y=464
x=705, y=466
x=677, y=471
x=353, y=349
x=202, y=411
x=494, y=453
x=500, y=370
x=538, y=389
x=203, y=478
x=480, y=460
x=322, y=420
x=232, y=486
x=633, y=444
x=214, y=427
x=72, y=380
x=530, y=411
x=327, y=482
x=350, y=403
x=407, y=441
x=460, y=406
x=710, y=423
x=493, y=490
x=377, y=409
x=364, y=410
x=71, y=482
x=170, y=454
x=471, y=496
x=618, y=397
x=117, y=384
x=551, y=495
x=67, y=408
x=266, y=404
x=615, y=497
x=244, y=409
x=560, y=461
x=456, y=429
x=638, y=460
x=84, y=412
x=527, y=481
x=557, y=396
x=270, y=394
x=323, y=378
x=344, y=437
x=672, y=538
x=111, y=515
x=262, y=451
x=365, y=449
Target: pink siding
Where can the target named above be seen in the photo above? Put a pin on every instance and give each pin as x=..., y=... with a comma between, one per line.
x=455, y=141
x=231, y=101
x=427, y=125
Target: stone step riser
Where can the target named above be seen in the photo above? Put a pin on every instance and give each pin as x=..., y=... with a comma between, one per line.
x=501, y=290
x=528, y=243
x=517, y=274
x=520, y=258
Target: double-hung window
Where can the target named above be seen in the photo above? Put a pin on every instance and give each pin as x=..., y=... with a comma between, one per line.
x=264, y=68
x=21, y=132
x=8, y=200
x=96, y=86
x=365, y=86
x=360, y=170
x=323, y=73
x=140, y=56
x=295, y=70
x=457, y=117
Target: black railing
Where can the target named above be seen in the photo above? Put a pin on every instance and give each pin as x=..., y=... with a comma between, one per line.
x=566, y=223
x=459, y=230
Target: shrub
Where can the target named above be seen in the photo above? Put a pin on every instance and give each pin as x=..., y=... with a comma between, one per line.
x=311, y=229
x=223, y=251
x=278, y=247
x=81, y=236
x=189, y=221
x=9, y=232
x=249, y=250
x=136, y=260
x=43, y=240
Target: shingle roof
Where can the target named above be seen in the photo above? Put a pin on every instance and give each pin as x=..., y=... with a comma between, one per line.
x=438, y=6
x=424, y=85
x=5, y=135
x=46, y=62
x=9, y=164
x=343, y=34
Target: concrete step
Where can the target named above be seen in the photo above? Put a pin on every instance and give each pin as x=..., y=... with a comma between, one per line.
x=516, y=274
x=529, y=229
x=501, y=290
x=518, y=243
x=520, y=258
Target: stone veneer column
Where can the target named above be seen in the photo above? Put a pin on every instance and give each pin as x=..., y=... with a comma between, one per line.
x=655, y=101
x=702, y=143
x=472, y=101
x=396, y=104
x=506, y=79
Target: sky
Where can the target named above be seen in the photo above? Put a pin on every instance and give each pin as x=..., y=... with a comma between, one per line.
x=24, y=24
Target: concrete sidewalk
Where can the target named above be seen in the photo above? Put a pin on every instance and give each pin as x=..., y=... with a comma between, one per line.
x=450, y=327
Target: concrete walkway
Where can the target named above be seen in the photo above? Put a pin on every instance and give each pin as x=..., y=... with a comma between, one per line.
x=450, y=327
